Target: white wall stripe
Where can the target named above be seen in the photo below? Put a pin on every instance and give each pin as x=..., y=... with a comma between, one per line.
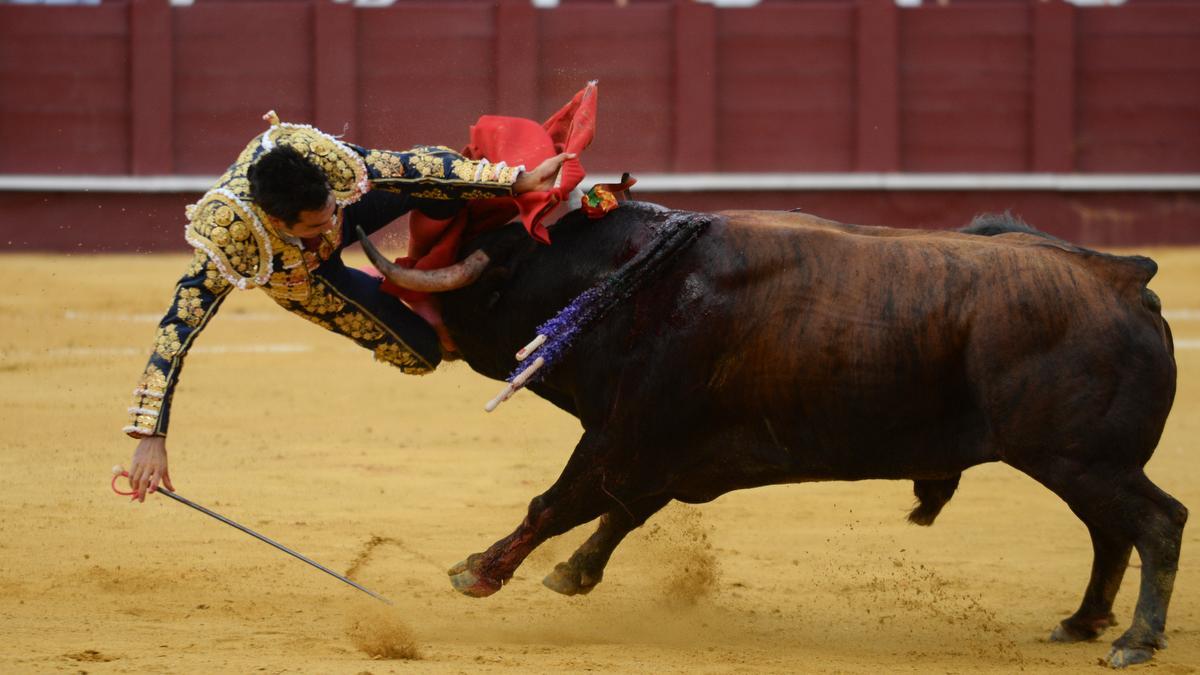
x=704, y=182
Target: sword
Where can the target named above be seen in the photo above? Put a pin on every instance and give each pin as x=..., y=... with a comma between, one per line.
x=118, y=472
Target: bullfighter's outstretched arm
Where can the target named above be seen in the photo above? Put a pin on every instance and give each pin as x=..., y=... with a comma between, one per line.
x=197, y=296
x=429, y=172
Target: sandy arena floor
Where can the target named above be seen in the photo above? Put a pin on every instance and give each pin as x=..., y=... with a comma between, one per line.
x=297, y=433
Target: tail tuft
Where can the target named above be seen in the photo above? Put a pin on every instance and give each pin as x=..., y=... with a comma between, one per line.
x=932, y=495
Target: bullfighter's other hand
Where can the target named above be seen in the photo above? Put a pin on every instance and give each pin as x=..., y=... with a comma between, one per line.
x=149, y=467
x=542, y=178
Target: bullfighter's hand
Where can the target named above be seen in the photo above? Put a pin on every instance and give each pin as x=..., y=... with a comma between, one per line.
x=542, y=178
x=149, y=467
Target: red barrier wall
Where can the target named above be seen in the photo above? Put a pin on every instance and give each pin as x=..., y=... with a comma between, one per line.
x=139, y=87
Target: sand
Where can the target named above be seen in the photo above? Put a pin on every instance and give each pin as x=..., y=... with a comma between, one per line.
x=300, y=435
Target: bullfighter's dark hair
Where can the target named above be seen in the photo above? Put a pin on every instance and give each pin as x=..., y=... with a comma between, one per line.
x=283, y=183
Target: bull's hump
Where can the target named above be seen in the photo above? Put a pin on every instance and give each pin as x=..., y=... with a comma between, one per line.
x=778, y=219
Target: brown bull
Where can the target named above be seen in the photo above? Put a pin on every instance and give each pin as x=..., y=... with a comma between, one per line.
x=782, y=348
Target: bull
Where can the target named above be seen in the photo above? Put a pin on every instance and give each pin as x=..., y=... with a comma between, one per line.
x=783, y=348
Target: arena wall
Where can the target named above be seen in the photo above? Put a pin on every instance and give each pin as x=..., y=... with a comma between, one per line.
x=839, y=88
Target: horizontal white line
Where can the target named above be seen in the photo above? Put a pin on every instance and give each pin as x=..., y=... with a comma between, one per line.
x=1187, y=344
x=1181, y=314
x=124, y=317
x=706, y=182
x=69, y=352
x=743, y=182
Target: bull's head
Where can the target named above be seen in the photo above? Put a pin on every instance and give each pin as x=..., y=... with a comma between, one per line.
x=462, y=273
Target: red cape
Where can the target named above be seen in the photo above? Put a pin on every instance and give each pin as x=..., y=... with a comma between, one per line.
x=516, y=141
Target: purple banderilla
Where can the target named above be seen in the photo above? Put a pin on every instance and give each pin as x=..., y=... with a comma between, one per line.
x=676, y=233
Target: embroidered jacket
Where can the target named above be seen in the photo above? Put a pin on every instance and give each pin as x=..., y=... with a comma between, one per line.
x=237, y=248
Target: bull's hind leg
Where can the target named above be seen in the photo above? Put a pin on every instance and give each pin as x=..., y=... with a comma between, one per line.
x=1122, y=509
x=1159, y=522
x=585, y=568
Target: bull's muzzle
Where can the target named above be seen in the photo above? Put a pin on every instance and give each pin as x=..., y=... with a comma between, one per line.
x=462, y=273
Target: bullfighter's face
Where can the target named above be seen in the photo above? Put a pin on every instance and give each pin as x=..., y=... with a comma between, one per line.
x=312, y=223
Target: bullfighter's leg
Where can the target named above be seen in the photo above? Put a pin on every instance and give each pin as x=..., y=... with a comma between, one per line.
x=585, y=568
x=578, y=496
x=1127, y=510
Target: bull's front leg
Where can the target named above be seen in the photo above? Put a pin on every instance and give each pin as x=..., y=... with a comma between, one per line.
x=575, y=498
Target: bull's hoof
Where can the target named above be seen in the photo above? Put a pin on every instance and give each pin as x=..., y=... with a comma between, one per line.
x=1121, y=657
x=1076, y=630
x=468, y=583
x=569, y=581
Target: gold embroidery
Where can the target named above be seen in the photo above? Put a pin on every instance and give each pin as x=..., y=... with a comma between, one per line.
x=147, y=400
x=244, y=258
x=427, y=165
x=358, y=326
x=508, y=175
x=166, y=342
x=320, y=301
x=431, y=193
x=477, y=193
x=187, y=306
x=213, y=281
x=223, y=215
x=319, y=321
x=387, y=164
x=154, y=380
x=394, y=354
x=199, y=262
x=464, y=169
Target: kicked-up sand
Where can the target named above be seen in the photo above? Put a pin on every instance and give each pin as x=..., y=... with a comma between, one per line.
x=392, y=479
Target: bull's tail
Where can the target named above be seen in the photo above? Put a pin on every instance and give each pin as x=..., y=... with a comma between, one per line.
x=932, y=495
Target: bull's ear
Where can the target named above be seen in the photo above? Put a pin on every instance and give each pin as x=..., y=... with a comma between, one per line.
x=496, y=278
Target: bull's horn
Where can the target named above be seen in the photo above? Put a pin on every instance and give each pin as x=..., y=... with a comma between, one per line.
x=463, y=273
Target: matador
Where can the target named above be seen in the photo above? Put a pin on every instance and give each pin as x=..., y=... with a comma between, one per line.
x=278, y=220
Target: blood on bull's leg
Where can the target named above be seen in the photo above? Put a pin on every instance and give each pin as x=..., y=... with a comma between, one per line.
x=482, y=574
x=575, y=498
x=585, y=568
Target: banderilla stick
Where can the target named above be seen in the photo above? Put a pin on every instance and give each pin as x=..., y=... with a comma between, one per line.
x=118, y=472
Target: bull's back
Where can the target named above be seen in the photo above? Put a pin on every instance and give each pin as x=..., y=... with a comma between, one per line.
x=888, y=338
